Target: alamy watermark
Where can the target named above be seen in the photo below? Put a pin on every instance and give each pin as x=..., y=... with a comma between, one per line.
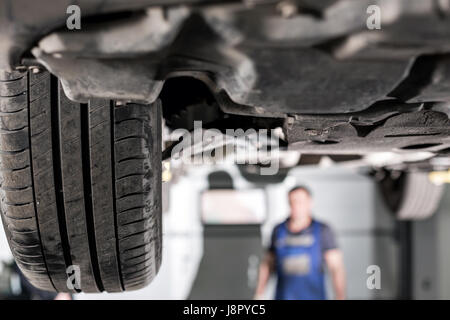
x=374, y=280
x=211, y=146
x=374, y=20
x=73, y=21
x=73, y=278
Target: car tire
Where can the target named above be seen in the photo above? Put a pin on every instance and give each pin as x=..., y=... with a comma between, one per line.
x=80, y=186
x=411, y=195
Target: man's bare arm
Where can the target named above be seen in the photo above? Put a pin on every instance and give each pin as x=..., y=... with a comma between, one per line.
x=265, y=269
x=335, y=265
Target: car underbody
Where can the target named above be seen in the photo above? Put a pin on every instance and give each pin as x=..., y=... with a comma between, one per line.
x=332, y=85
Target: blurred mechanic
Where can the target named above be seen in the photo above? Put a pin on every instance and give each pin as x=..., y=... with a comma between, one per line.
x=300, y=249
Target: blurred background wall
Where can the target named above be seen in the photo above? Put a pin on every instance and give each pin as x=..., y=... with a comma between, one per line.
x=347, y=200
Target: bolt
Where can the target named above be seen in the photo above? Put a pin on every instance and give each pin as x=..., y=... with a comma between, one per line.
x=287, y=8
x=35, y=70
x=21, y=68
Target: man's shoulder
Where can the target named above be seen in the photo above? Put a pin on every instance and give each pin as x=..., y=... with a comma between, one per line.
x=279, y=225
x=327, y=236
x=325, y=229
x=322, y=225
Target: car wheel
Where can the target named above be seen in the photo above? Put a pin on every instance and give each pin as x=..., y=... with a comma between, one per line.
x=80, y=186
x=410, y=195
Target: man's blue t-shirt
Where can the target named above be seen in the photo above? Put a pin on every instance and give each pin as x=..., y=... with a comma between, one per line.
x=327, y=236
x=299, y=260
